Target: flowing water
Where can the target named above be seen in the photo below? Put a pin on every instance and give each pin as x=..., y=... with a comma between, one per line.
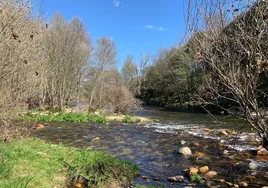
x=154, y=146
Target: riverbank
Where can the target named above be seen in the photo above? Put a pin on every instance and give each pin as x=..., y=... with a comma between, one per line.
x=83, y=117
x=34, y=163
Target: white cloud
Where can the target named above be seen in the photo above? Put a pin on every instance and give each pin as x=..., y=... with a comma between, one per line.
x=116, y=3
x=155, y=28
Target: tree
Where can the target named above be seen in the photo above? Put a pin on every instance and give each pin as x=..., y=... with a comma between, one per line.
x=129, y=70
x=67, y=51
x=104, y=59
x=20, y=50
x=233, y=54
x=145, y=60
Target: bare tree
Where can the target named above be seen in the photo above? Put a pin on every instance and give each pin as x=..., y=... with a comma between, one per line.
x=67, y=51
x=104, y=59
x=230, y=40
x=129, y=70
x=20, y=52
x=145, y=60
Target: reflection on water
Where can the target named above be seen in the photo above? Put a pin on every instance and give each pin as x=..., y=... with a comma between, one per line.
x=154, y=147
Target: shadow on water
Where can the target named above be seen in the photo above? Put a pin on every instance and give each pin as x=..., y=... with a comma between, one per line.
x=154, y=147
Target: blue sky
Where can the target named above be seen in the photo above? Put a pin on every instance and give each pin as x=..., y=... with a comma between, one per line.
x=136, y=26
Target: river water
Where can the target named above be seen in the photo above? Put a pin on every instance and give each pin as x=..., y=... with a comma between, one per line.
x=154, y=146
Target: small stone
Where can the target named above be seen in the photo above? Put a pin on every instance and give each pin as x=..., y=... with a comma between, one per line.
x=191, y=171
x=156, y=179
x=220, y=180
x=183, y=142
x=207, y=130
x=225, y=152
x=145, y=177
x=229, y=183
x=185, y=151
x=224, y=133
x=235, y=185
x=204, y=169
x=199, y=154
x=211, y=174
x=39, y=126
x=196, y=144
x=95, y=139
x=176, y=178
x=262, y=151
x=243, y=184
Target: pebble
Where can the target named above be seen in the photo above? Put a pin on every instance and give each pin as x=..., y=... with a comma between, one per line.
x=183, y=142
x=243, y=184
x=176, y=178
x=196, y=144
x=192, y=171
x=211, y=174
x=95, y=139
x=262, y=151
x=220, y=180
x=229, y=183
x=185, y=151
x=39, y=126
x=199, y=154
x=204, y=169
x=145, y=177
x=223, y=132
x=207, y=130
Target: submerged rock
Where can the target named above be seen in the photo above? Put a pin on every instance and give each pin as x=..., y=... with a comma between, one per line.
x=145, y=177
x=39, y=126
x=243, y=184
x=196, y=144
x=185, y=151
x=207, y=130
x=220, y=180
x=211, y=174
x=199, y=154
x=176, y=178
x=183, y=142
x=262, y=151
x=224, y=133
x=191, y=171
x=95, y=139
x=204, y=169
x=225, y=152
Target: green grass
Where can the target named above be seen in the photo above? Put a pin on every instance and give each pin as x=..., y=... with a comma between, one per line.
x=35, y=163
x=79, y=117
x=148, y=186
x=195, y=178
x=66, y=117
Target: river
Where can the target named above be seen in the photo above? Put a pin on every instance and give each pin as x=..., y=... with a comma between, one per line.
x=154, y=146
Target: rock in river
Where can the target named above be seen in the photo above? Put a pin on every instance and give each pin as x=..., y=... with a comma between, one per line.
x=224, y=133
x=211, y=174
x=185, y=151
x=262, y=151
x=176, y=178
x=191, y=171
x=95, y=139
x=204, y=169
x=243, y=184
x=145, y=177
x=39, y=126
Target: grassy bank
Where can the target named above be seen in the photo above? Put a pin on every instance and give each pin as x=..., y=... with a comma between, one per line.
x=35, y=163
x=83, y=117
